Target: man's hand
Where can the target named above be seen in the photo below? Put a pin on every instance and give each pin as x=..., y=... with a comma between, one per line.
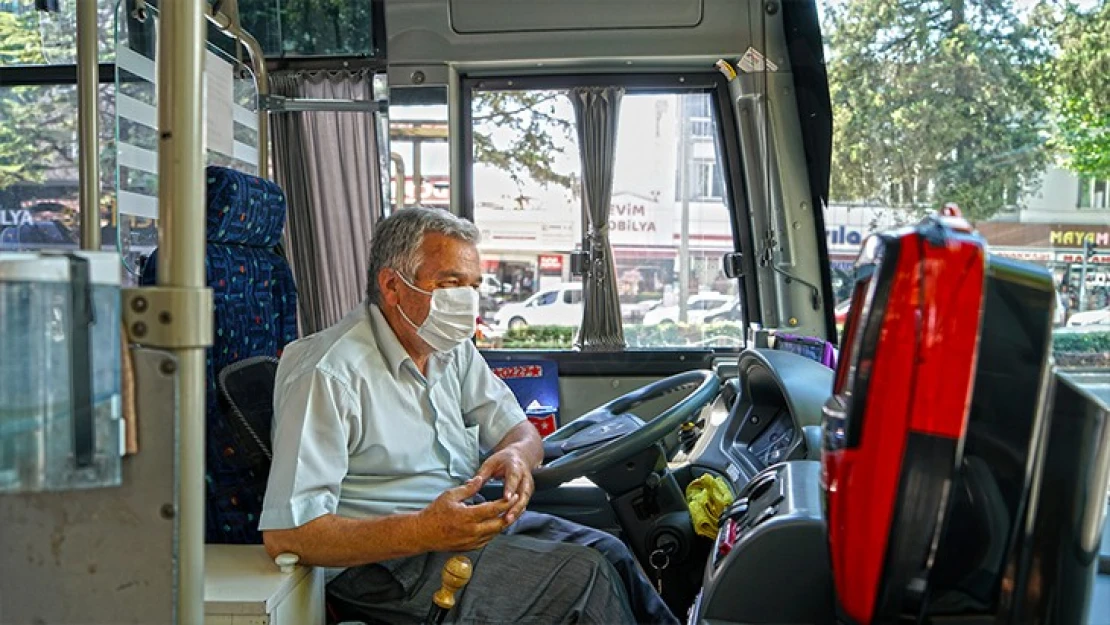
x=452, y=525
x=511, y=467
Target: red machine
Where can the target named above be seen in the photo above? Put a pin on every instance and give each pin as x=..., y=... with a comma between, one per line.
x=895, y=426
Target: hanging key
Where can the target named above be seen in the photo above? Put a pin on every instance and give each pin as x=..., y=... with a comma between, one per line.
x=659, y=560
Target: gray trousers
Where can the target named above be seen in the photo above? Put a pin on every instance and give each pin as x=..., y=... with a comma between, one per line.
x=542, y=570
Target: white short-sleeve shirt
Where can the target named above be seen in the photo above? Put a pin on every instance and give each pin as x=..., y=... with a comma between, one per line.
x=360, y=432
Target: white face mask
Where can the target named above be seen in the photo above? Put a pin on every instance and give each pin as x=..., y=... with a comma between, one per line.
x=452, y=318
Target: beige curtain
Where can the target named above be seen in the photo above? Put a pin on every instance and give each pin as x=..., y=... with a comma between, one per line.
x=328, y=164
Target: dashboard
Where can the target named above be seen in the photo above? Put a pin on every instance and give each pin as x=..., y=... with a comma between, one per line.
x=773, y=444
x=775, y=417
x=772, y=541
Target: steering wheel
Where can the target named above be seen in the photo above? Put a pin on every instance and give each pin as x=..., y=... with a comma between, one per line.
x=627, y=434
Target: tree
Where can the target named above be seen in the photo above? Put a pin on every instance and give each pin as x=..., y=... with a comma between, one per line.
x=28, y=139
x=309, y=27
x=1078, y=81
x=39, y=122
x=935, y=101
x=533, y=125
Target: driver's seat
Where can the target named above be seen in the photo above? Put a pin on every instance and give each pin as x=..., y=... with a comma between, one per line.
x=247, y=389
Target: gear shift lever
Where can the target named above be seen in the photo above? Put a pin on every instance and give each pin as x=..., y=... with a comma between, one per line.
x=456, y=573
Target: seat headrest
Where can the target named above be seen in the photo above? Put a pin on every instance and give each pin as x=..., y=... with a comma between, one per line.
x=243, y=209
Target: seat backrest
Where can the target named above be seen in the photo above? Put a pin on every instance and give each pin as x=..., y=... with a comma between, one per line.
x=255, y=303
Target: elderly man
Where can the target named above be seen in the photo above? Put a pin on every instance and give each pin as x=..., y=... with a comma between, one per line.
x=379, y=425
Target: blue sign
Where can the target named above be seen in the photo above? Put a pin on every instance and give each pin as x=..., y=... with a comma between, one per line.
x=535, y=384
x=844, y=235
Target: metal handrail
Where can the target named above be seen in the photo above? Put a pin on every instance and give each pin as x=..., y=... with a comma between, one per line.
x=261, y=76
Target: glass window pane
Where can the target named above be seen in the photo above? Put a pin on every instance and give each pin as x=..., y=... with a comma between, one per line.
x=39, y=206
x=1012, y=129
x=527, y=205
x=419, y=149
x=31, y=37
x=309, y=28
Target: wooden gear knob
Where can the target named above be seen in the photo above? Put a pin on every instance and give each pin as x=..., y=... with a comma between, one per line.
x=456, y=573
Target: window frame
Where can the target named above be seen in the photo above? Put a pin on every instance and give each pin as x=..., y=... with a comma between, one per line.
x=665, y=360
x=51, y=75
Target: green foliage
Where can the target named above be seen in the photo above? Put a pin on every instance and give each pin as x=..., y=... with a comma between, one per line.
x=19, y=41
x=540, y=337
x=1081, y=349
x=934, y=92
x=529, y=124
x=1081, y=342
x=20, y=160
x=309, y=27
x=39, y=122
x=1078, y=81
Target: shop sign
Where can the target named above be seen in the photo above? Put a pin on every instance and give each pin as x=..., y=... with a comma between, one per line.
x=1078, y=258
x=630, y=217
x=551, y=263
x=635, y=220
x=1076, y=238
x=1037, y=257
x=10, y=217
x=845, y=235
x=434, y=190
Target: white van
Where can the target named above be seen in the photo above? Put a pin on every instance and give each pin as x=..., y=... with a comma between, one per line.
x=557, y=306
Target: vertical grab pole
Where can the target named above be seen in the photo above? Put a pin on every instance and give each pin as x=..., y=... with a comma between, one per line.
x=181, y=194
x=88, y=114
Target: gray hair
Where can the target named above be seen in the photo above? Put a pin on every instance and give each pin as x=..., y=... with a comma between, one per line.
x=397, y=241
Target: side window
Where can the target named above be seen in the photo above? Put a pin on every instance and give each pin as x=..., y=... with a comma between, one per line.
x=669, y=221
x=418, y=160
x=547, y=299
x=39, y=178
x=311, y=29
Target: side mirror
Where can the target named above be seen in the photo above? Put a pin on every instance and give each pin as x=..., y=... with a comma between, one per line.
x=732, y=265
x=579, y=263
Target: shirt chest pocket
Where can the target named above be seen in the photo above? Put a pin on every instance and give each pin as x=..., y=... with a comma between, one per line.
x=458, y=440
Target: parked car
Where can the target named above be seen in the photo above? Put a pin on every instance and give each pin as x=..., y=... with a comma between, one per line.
x=634, y=312
x=490, y=285
x=731, y=311
x=487, y=307
x=1090, y=317
x=697, y=307
x=558, y=306
x=39, y=235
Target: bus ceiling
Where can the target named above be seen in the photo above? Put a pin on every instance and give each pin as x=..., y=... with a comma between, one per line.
x=502, y=35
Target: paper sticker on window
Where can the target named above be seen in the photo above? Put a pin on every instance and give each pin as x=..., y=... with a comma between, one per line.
x=754, y=61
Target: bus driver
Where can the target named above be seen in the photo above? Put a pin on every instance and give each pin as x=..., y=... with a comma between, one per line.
x=376, y=462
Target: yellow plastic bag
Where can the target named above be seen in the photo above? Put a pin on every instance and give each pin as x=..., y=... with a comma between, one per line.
x=707, y=497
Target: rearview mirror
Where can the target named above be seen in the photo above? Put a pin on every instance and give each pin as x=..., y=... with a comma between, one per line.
x=579, y=261
x=731, y=264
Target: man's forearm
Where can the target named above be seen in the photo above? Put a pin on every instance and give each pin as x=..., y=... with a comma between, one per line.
x=524, y=438
x=337, y=541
